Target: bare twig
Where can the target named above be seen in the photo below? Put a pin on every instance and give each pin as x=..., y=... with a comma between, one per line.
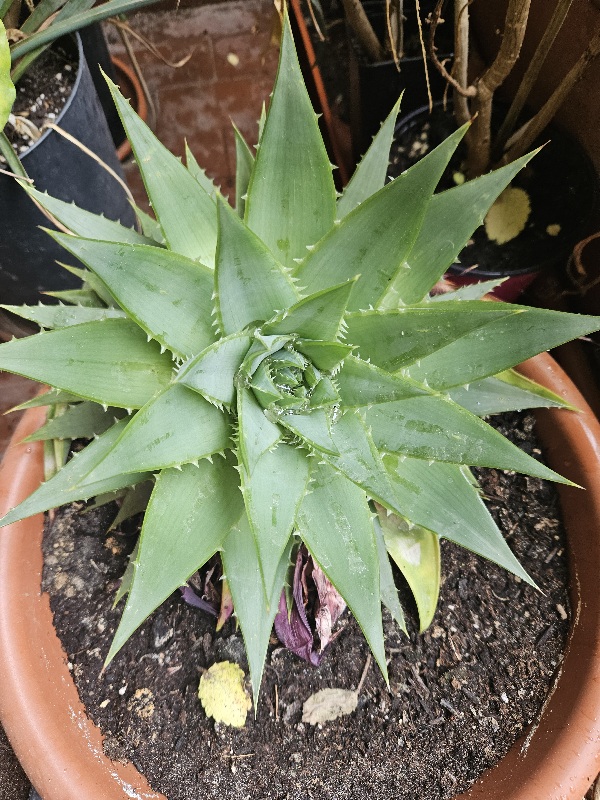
x=357, y=19
x=465, y=91
x=364, y=673
x=313, y=16
x=536, y=125
x=390, y=33
x=462, y=111
x=124, y=34
x=397, y=26
x=424, y=52
x=152, y=48
x=479, y=136
x=531, y=75
x=14, y=175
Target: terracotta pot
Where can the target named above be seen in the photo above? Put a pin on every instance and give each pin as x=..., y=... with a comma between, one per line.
x=131, y=88
x=61, y=750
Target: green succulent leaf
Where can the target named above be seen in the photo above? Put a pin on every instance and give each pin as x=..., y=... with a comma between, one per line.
x=444, y=499
x=348, y=553
x=291, y=196
x=109, y=361
x=188, y=518
x=135, y=500
x=50, y=398
x=449, y=222
x=168, y=295
x=303, y=350
x=362, y=384
x=150, y=228
x=254, y=611
x=251, y=285
x=71, y=483
x=185, y=211
x=91, y=281
x=327, y=356
x=78, y=297
x=153, y=440
x=257, y=434
x=389, y=592
x=199, y=174
x=60, y=316
x=213, y=371
x=244, y=164
x=272, y=493
x=416, y=552
x=434, y=428
x=371, y=173
x=319, y=316
x=507, y=391
x=81, y=421
x=523, y=335
x=514, y=379
x=358, y=459
x=395, y=339
x=84, y=223
x=471, y=291
x=314, y=428
x=375, y=239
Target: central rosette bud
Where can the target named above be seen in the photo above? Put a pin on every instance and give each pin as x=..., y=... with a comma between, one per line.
x=283, y=377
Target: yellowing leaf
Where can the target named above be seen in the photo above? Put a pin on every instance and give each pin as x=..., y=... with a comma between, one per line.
x=508, y=216
x=223, y=695
x=329, y=704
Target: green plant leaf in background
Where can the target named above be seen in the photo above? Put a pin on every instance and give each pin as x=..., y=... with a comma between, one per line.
x=7, y=88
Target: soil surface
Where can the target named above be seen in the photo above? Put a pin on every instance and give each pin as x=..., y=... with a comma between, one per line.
x=41, y=95
x=460, y=694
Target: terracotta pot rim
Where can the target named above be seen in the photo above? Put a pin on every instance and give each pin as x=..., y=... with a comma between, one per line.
x=138, y=101
x=61, y=750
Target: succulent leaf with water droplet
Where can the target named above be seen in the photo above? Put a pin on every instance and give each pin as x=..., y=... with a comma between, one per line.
x=278, y=374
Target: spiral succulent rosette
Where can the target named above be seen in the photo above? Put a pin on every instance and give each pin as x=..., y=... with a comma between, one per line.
x=280, y=374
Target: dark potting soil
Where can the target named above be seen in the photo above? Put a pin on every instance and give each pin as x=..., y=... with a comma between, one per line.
x=459, y=696
x=560, y=182
x=41, y=95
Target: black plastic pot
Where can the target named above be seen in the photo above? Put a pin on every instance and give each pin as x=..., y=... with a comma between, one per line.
x=563, y=190
x=27, y=254
x=375, y=87
x=97, y=55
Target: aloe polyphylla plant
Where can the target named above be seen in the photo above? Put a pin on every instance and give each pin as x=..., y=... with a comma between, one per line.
x=281, y=374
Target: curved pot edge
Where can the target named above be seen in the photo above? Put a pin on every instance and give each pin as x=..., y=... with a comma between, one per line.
x=561, y=757
x=564, y=752
x=59, y=748
x=138, y=102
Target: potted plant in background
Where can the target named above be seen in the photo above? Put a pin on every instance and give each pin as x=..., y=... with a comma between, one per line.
x=381, y=48
x=536, y=222
x=44, y=153
x=387, y=56
x=315, y=375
